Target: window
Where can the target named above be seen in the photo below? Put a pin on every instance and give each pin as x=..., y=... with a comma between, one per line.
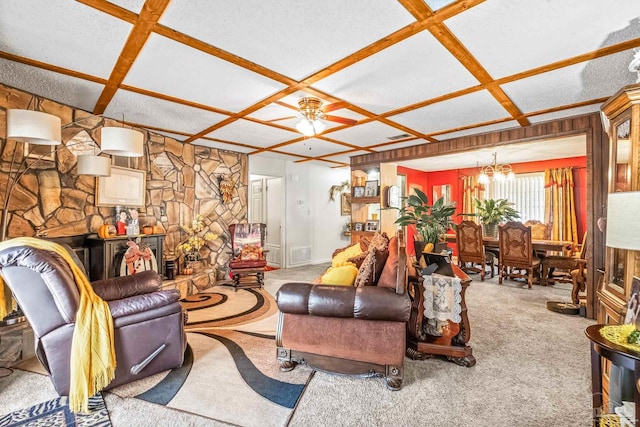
x=526, y=192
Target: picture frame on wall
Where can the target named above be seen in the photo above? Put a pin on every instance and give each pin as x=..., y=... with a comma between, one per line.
x=42, y=152
x=125, y=187
x=371, y=188
x=371, y=226
x=345, y=204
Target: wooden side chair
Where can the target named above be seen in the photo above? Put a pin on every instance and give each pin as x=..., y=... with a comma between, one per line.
x=471, y=249
x=539, y=230
x=516, y=253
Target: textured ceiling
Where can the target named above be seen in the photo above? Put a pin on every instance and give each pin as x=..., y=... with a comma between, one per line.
x=229, y=74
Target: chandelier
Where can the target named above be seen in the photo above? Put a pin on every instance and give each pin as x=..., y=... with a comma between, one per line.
x=495, y=171
x=310, y=124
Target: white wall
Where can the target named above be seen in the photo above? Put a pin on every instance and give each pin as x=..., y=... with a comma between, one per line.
x=328, y=225
x=310, y=218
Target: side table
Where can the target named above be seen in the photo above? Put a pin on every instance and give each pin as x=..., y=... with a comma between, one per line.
x=621, y=356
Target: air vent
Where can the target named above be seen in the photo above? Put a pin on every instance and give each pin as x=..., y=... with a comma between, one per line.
x=300, y=255
x=401, y=136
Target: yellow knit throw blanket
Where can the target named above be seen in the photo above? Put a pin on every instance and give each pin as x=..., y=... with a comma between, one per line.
x=93, y=356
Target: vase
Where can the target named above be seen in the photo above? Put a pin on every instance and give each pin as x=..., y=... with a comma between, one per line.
x=193, y=262
x=490, y=230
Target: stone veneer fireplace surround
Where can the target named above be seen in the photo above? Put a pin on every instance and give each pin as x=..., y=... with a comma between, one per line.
x=181, y=183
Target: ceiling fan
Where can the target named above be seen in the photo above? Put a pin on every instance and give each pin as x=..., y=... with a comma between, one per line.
x=312, y=112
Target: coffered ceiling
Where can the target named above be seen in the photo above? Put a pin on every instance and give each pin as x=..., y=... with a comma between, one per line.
x=227, y=74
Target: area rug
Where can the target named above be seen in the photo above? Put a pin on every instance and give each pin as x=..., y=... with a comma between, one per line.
x=56, y=413
x=230, y=372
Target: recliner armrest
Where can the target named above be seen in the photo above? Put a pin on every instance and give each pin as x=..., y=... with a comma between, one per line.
x=141, y=303
x=126, y=286
x=368, y=302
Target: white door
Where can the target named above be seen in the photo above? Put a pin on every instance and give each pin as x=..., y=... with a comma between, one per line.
x=257, y=201
x=274, y=203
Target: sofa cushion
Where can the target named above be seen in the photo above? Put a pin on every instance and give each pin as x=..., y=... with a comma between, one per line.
x=343, y=275
x=349, y=252
x=371, y=267
x=390, y=271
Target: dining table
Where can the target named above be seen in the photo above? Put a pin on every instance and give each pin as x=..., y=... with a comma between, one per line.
x=537, y=244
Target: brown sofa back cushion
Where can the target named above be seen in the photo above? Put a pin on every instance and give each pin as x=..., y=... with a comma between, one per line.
x=389, y=273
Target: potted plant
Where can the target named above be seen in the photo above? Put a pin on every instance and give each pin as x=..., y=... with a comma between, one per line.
x=431, y=221
x=492, y=212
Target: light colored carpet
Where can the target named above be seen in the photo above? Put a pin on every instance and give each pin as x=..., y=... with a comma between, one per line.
x=532, y=369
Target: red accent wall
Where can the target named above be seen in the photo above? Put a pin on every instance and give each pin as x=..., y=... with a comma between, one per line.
x=453, y=177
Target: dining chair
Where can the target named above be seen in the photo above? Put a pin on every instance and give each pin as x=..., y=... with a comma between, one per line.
x=559, y=268
x=471, y=249
x=516, y=253
x=539, y=230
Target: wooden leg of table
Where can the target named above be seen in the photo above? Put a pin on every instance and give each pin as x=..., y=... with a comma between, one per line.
x=596, y=381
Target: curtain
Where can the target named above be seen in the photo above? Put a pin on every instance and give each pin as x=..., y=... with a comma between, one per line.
x=559, y=204
x=471, y=189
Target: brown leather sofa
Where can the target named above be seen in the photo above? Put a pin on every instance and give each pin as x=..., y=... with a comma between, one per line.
x=148, y=323
x=348, y=330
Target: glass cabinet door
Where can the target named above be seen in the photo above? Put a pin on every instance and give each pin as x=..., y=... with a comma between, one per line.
x=619, y=180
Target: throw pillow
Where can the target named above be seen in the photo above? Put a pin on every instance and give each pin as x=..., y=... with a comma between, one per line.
x=371, y=267
x=388, y=276
x=343, y=275
x=379, y=241
x=342, y=257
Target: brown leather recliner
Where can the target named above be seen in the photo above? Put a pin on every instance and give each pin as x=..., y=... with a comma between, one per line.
x=148, y=323
x=348, y=330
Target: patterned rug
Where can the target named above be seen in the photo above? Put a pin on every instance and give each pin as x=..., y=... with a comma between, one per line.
x=56, y=413
x=230, y=371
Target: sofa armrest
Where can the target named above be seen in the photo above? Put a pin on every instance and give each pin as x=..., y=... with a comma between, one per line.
x=127, y=286
x=368, y=302
x=142, y=303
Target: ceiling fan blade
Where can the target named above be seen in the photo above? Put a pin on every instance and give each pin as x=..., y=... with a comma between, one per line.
x=342, y=120
x=335, y=106
x=280, y=118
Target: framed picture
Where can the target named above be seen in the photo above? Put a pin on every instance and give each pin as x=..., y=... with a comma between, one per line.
x=125, y=187
x=345, y=204
x=358, y=191
x=42, y=152
x=358, y=226
x=370, y=188
x=633, y=305
x=371, y=226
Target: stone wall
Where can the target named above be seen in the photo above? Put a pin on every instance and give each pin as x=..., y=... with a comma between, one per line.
x=53, y=199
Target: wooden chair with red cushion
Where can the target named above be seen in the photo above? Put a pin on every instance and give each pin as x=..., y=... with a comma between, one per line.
x=248, y=258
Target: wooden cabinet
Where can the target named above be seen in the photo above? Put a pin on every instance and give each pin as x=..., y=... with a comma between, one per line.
x=369, y=208
x=105, y=255
x=621, y=114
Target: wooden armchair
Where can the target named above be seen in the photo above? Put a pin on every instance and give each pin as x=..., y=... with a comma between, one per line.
x=516, y=253
x=471, y=249
x=248, y=258
x=566, y=266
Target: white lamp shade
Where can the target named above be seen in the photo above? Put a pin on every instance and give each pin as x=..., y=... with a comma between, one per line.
x=121, y=142
x=623, y=230
x=94, y=165
x=33, y=127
